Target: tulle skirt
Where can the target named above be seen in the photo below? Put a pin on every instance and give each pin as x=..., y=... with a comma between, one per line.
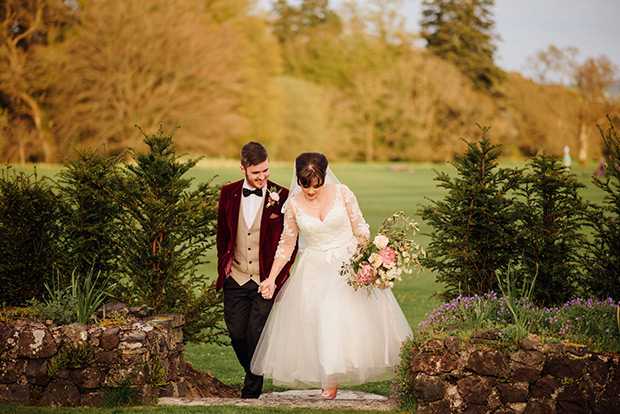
x=321, y=332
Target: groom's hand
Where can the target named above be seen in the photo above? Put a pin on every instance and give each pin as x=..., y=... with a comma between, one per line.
x=267, y=288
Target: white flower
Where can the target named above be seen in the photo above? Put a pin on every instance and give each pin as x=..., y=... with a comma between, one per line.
x=393, y=273
x=380, y=241
x=375, y=260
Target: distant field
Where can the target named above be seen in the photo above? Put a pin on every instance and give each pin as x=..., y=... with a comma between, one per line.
x=381, y=189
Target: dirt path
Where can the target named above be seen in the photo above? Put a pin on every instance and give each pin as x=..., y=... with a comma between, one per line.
x=352, y=400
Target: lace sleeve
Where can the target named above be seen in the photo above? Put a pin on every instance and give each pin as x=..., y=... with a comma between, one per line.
x=361, y=229
x=288, y=238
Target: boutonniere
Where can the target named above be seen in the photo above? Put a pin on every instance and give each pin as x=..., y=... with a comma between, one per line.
x=273, y=195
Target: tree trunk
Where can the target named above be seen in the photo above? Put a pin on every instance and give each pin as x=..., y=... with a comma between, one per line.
x=21, y=153
x=48, y=145
x=370, y=150
x=583, y=142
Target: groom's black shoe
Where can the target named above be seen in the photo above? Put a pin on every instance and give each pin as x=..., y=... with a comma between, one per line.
x=253, y=386
x=250, y=396
x=246, y=395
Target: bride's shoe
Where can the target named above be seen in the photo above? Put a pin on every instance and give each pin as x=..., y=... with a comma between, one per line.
x=329, y=395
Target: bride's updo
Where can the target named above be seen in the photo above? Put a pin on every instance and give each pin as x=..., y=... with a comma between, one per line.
x=310, y=166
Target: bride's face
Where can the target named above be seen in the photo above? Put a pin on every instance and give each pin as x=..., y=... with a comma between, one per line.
x=313, y=191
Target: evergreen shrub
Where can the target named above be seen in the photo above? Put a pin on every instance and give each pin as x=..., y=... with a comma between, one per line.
x=530, y=219
x=29, y=235
x=602, y=263
x=475, y=232
x=552, y=218
x=166, y=227
x=89, y=214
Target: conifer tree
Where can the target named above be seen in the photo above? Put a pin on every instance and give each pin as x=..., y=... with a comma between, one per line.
x=475, y=232
x=166, y=229
x=552, y=216
x=461, y=31
x=89, y=214
x=29, y=234
x=603, y=259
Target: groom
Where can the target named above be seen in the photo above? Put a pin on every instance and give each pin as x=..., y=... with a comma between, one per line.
x=249, y=224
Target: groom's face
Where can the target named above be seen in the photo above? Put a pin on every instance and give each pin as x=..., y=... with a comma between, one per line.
x=257, y=175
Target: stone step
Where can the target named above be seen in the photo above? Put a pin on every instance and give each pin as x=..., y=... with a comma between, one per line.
x=351, y=400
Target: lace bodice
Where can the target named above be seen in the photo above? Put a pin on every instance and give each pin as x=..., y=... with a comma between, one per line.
x=343, y=222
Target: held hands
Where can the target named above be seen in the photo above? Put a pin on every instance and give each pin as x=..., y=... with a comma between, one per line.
x=267, y=288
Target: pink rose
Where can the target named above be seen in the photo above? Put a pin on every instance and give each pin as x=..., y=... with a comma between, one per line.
x=388, y=257
x=274, y=197
x=365, y=274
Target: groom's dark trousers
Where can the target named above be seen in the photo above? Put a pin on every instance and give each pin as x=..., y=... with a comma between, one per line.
x=245, y=313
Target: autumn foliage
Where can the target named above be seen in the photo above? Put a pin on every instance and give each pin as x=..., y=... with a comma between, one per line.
x=353, y=83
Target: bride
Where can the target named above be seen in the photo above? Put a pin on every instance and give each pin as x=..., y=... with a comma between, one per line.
x=321, y=332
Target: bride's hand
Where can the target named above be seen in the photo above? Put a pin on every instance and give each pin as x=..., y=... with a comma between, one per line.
x=359, y=252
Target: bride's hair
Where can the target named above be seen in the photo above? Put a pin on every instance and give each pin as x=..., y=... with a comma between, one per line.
x=310, y=166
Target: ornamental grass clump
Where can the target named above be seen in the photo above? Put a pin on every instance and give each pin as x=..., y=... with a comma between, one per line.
x=517, y=300
x=89, y=293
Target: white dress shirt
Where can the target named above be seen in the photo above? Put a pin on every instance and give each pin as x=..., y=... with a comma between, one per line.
x=251, y=204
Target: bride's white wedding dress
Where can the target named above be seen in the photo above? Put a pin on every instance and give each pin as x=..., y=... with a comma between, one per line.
x=320, y=331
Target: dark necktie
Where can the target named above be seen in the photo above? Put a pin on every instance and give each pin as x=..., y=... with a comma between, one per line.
x=256, y=191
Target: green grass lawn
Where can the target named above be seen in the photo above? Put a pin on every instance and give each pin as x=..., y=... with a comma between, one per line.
x=381, y=190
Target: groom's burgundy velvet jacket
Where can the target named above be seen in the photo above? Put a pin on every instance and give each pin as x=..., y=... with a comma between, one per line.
x=270, y=229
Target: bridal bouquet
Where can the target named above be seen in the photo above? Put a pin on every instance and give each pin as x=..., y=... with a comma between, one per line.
x=385, y=257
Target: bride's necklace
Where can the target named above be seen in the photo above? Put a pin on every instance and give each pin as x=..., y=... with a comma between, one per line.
x=320, y=202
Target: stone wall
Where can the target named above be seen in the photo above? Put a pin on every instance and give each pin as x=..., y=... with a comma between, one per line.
x=75, y=364
x=452, y=376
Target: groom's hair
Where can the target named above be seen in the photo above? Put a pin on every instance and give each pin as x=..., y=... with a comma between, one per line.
x=253, y=153
x=310, y=166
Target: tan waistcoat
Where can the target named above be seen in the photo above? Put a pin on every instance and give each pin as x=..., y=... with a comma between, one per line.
x=246, y=265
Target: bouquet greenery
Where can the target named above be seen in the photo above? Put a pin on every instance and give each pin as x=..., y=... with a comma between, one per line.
x=385, y=257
